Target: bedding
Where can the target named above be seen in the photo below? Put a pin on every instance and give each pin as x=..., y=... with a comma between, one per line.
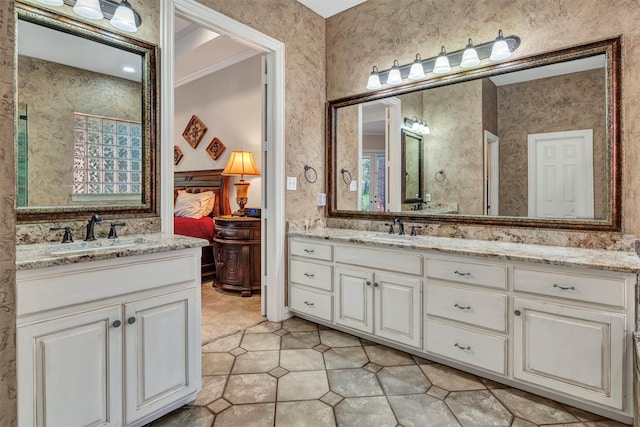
x=202, y=228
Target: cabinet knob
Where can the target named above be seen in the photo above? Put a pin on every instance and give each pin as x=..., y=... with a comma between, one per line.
x=375, y=284
x=368, y=283
x=517, y=313
x=131, y=320
x=116, y=323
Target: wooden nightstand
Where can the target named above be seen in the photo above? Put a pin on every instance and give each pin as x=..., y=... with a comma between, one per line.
x=236, y=247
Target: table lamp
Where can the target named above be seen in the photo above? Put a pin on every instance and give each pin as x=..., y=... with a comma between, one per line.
x=241, y=164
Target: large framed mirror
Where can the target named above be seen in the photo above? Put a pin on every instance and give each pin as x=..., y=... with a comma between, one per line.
x=533, y=142
x=86, y=121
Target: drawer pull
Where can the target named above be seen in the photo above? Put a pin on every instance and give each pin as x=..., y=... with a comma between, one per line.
x=461, y=307
x=310, y=275
x=462, y=274
x=564, y=288
x=310, y=251
x=467, y=348
x=310, y=304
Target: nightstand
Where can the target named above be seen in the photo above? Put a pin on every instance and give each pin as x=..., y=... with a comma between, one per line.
x=236, y=247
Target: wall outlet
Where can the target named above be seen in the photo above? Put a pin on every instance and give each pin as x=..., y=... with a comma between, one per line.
x=427, y=197
x=322, y=199
x=353, y=186
x=292, y=183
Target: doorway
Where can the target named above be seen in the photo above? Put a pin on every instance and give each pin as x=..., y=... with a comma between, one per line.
x=272, y=145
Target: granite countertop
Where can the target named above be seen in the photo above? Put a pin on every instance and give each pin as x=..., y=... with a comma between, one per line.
x=621, y=261
x=41, y=255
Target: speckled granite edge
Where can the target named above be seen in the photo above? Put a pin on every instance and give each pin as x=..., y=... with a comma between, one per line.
x=628, y=262
x=38, y=255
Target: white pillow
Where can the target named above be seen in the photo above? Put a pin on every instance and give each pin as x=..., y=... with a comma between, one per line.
x=194, y=205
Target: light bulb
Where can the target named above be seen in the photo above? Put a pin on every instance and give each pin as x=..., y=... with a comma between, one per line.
x=500, y=49
x=88, y=9
x=470, y=56
x=394, y=74
x=374, y=80
x=417, y=70
x=442, y=63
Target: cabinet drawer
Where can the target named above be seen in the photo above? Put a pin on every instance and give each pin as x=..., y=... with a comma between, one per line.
x=402, y=262
x=476, y=308
x=474, y=348
x=311, y=250
x=311, y=303
x=580, y=287
x=493, y=276
x=311, y=274
x=233, y=234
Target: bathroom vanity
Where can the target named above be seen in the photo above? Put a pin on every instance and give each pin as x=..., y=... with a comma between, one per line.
x=108, y=333
x=551, y=320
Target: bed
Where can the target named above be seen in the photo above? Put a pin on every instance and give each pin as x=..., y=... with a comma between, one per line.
x=196, y=182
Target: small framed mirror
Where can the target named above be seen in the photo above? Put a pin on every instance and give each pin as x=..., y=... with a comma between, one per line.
x=86, y=122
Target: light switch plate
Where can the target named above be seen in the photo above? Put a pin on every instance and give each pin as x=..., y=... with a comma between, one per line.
x=353, y=186
x=427, y=197
x=322, y=199
x=292, y=183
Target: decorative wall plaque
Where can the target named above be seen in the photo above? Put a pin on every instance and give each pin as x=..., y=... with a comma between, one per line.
x=194, y=131
x=216, y=148
x=177, y=154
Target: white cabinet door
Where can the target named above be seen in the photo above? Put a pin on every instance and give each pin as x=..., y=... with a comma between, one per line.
x=572, y=350
x=161, y=362
x=75, y=365
x=397, y=313
x=354, y=299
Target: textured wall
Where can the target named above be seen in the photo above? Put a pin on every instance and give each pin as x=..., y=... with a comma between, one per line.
x=50, y=132
x=347, y=155
x=379, y=31
x=303, y=33
x=7, y=219
x=549, y=105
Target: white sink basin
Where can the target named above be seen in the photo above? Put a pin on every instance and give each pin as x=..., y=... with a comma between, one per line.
x=96, y=245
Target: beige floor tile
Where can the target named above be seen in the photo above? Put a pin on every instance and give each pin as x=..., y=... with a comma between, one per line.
x=331, y=398
x=385, y=356
x=224, y=344
x=212, y=388
x=316, y=414
x=296, y=324
x=365, y=411
x=519, y=422
x=451, y=379
x=421, y=410
x=345, y=357
x=256, y=415
x=478, y=408
x=263, y=327
x=197, y=416
x=403, y=380
x=338, y=339
x=255, y=362
x=251, y=388
x=217, y=363
x=354, y=382
x=437, y=392
x=299, y=340
x=256, y=342
x=535, y=409
x=301, y=360
x=304, y=385
x=218, y=406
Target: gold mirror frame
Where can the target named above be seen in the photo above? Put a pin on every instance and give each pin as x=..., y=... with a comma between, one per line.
x=149, y=54
x=610, y=47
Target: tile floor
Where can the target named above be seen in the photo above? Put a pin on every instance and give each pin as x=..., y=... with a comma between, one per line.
x=299, y=374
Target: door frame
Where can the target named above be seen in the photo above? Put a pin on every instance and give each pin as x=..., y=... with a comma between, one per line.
x=491, y=174
x=273, y=205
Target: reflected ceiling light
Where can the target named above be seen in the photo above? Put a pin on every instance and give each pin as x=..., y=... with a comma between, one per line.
x=417, y=70
x=417, y=126
x=496, y=50
x=374, y=80
x=470, y=56
x=442, y=63
x=88, y=9
x=128, y=69
x=119, y=13
x=394, y=77
x=123, y=18
x=500, y=49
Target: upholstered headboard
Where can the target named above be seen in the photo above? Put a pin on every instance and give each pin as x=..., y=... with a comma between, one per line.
x=206, y=180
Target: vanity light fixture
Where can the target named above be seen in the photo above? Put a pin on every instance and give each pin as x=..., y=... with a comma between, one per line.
x=417, y=70
x=495, y=50
x=470, y=56
x=394, y=77
x=442, y=63
x=119, y=13
x=417, y=126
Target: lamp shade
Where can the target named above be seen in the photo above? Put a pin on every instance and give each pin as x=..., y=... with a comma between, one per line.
x=500, y=49
x=394, y=77
x=442, y=63
x=88, y=9
x=123, y=18
x=417, y=70
x=240, y=163
x=374, y=80
x=470, y=56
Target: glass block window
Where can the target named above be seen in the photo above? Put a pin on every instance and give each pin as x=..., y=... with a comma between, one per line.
x=107, y=156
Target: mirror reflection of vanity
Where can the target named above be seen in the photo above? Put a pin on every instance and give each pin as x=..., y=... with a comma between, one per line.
x=530, y=142
x=86, y=136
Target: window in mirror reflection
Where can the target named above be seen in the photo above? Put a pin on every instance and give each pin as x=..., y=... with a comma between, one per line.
x=373, y=180
x=22, y=167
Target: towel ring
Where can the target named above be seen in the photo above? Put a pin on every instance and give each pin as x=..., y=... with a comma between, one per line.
x=344, y=172
x=308, y=168
x=440, y=176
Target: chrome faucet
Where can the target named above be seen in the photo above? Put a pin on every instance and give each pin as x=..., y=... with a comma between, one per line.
x=90, y=225
x=400, y=226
